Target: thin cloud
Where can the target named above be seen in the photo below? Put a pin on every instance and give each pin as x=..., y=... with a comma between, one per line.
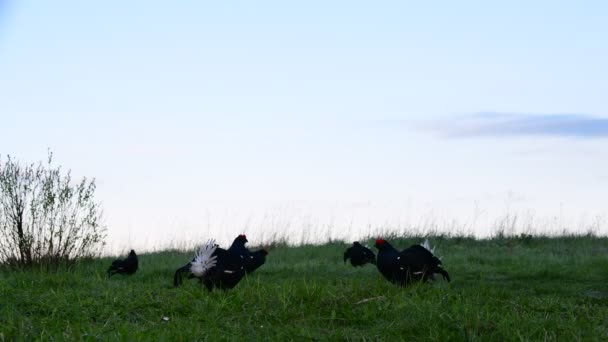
x=531, y=125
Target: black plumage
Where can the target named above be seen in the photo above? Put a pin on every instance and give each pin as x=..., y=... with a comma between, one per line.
x=238, y=247
x=226, y=274
x=359, y=255
x=127, y=266
x=180, y=272
x=258, y=258
x=215, y=267
x=412, y=264
x=252, y=260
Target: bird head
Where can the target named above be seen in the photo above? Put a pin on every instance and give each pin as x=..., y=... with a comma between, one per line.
x=356, y=243
x=380, y=243
x=242, y=238
x=132, y=253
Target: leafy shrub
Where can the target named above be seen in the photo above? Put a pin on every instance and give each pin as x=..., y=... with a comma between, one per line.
x=46, y=218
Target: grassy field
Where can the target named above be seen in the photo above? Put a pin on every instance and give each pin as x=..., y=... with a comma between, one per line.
x=503, y=289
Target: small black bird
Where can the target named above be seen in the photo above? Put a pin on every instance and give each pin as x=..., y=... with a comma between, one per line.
x=359, y=255
x=414, y=263
x=126, y=266
x=258, y=258
x=215, y=267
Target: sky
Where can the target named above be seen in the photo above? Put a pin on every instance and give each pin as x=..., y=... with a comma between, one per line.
x=314, y=119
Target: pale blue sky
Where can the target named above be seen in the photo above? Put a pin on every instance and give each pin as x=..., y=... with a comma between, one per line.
x=374, y=113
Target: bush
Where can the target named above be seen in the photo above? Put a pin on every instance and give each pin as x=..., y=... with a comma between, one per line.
x=45, y=218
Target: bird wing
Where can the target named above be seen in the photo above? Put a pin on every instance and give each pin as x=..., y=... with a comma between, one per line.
x=258, y=259
x=418, y=258
x=369, y=252
x=117, y=262
x=117, y=265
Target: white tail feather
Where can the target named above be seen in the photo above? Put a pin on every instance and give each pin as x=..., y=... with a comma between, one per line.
x=204, y=259
x=428, y=247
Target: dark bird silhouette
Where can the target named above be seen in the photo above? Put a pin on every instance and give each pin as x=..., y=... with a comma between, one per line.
x=412, y=264
x=258, y=258
x=238, y=247
x=252, y=260
x=126, y=266
x=359, y=255
x=215, y=267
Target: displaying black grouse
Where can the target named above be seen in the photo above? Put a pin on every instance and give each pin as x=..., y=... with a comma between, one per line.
x=215, y=267
x=126, y=266
x=414, y=263
x=359, y=255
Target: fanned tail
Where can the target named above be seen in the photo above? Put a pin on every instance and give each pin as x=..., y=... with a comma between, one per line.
x=204, y=259
x=427, y=245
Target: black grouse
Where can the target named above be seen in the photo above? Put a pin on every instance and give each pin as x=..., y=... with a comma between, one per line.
x=414, y=263
x=126, y=266
x=359, y=255
x=215, y=267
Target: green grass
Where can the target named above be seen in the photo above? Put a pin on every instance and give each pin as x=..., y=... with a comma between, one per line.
x=502, y=290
